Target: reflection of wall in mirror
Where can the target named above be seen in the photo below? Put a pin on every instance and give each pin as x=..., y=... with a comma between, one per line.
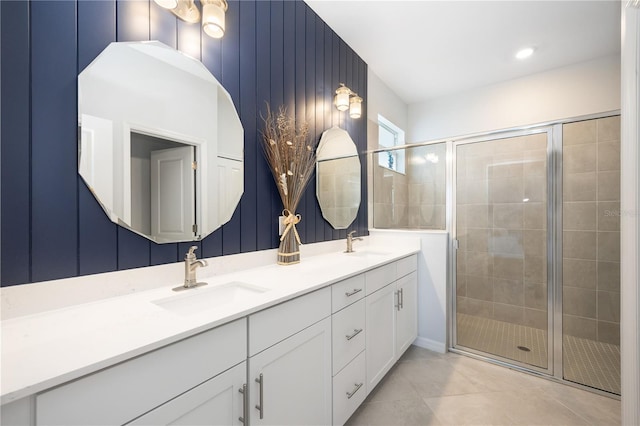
x=137, y=88
x=339, y=188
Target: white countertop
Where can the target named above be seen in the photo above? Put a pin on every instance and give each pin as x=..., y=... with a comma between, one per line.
x=46, y=349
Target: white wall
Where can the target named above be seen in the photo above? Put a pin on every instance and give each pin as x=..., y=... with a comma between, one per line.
x=630, y=219
x=580, y=89
x=382, y=100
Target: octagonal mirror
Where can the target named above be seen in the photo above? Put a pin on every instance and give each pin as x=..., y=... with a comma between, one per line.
x=338, y=178
x=161, y=144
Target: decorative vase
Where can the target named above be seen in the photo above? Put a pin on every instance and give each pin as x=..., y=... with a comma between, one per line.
x=289, y=249
x=291, y=156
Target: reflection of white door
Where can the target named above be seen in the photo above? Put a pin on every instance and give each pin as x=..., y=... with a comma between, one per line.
x=230, y=187
x=96, y=158
x=172, y=194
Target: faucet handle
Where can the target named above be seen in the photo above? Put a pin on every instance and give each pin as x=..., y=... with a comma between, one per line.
x=191, y=254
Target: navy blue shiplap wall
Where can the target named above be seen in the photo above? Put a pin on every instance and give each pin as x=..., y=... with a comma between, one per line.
x=279, y=52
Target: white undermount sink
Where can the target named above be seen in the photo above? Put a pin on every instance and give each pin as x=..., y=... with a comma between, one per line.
x=199, y=299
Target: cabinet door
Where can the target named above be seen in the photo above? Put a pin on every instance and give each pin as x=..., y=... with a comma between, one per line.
x=407, y=314
x=295, y=376
x=380, y=333
x=217, y=401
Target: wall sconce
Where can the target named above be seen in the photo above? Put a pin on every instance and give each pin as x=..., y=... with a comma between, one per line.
x=213, y=22
x=342, y=97
x=346, y=99
x=355, y=106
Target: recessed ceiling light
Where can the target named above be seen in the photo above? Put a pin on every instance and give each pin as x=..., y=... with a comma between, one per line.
x=524, y=53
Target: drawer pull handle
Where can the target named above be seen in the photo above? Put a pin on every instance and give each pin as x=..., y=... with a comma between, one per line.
x=356, y=331
x=351, y=293
x=243, y=391
x=260, y=407
x=402, y=298
x=353, y=392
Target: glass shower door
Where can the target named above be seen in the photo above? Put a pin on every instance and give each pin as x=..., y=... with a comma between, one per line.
x=501, y=228
x=591, y=253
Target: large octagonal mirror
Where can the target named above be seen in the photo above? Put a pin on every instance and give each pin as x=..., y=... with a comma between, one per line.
x=338, y=178
x=161, y=143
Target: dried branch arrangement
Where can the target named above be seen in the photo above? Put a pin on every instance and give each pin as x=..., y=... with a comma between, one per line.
x=291, y=156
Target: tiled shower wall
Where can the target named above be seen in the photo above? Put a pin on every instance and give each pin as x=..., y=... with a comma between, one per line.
x=390, y=198
x=591, y=229
x=501, y=216
x=415, y=200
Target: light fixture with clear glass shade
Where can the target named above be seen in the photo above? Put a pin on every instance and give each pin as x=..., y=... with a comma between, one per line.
x=347, y=99
x=355, y=106
x=213, y=17
x=213, y=14
x=342, y=97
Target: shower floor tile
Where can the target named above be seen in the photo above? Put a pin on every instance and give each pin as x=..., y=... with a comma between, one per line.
x=592, y=363
x=587, y=362
x=503, y=339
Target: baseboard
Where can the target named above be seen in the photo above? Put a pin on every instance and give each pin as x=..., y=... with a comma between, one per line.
x=432, y=345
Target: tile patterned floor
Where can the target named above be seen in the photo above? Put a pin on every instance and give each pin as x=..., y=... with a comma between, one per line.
x=587, y=362
x=428, y=388
x=503, y=338
x=591, y=363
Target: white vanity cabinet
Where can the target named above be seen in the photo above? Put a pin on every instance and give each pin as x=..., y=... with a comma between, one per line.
x=391, y=313
x=311, y=359
x=290, y=362
x=170, y=378
x=218, y=401
x=348, y=335
x=381, y=334
x=406, y=312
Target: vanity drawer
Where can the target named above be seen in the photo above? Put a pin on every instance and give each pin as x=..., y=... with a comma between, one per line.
x=349, y=389
x=377, y=278
x=348, y=334
x=270, y=326
x=346, y=292
x=407, y=265
x=118, y=394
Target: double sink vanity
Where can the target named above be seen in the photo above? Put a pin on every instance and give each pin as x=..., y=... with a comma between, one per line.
x=301, y=344
x=258, y=344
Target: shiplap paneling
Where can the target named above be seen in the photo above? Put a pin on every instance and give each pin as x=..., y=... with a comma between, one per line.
x=279, y=52
x=54, y=176
x=98, y=241
x=16, y=144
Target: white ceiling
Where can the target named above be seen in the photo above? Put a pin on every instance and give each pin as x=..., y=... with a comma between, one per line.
x=427, y=49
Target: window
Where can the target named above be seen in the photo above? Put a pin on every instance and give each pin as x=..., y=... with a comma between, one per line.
x=390, y=136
